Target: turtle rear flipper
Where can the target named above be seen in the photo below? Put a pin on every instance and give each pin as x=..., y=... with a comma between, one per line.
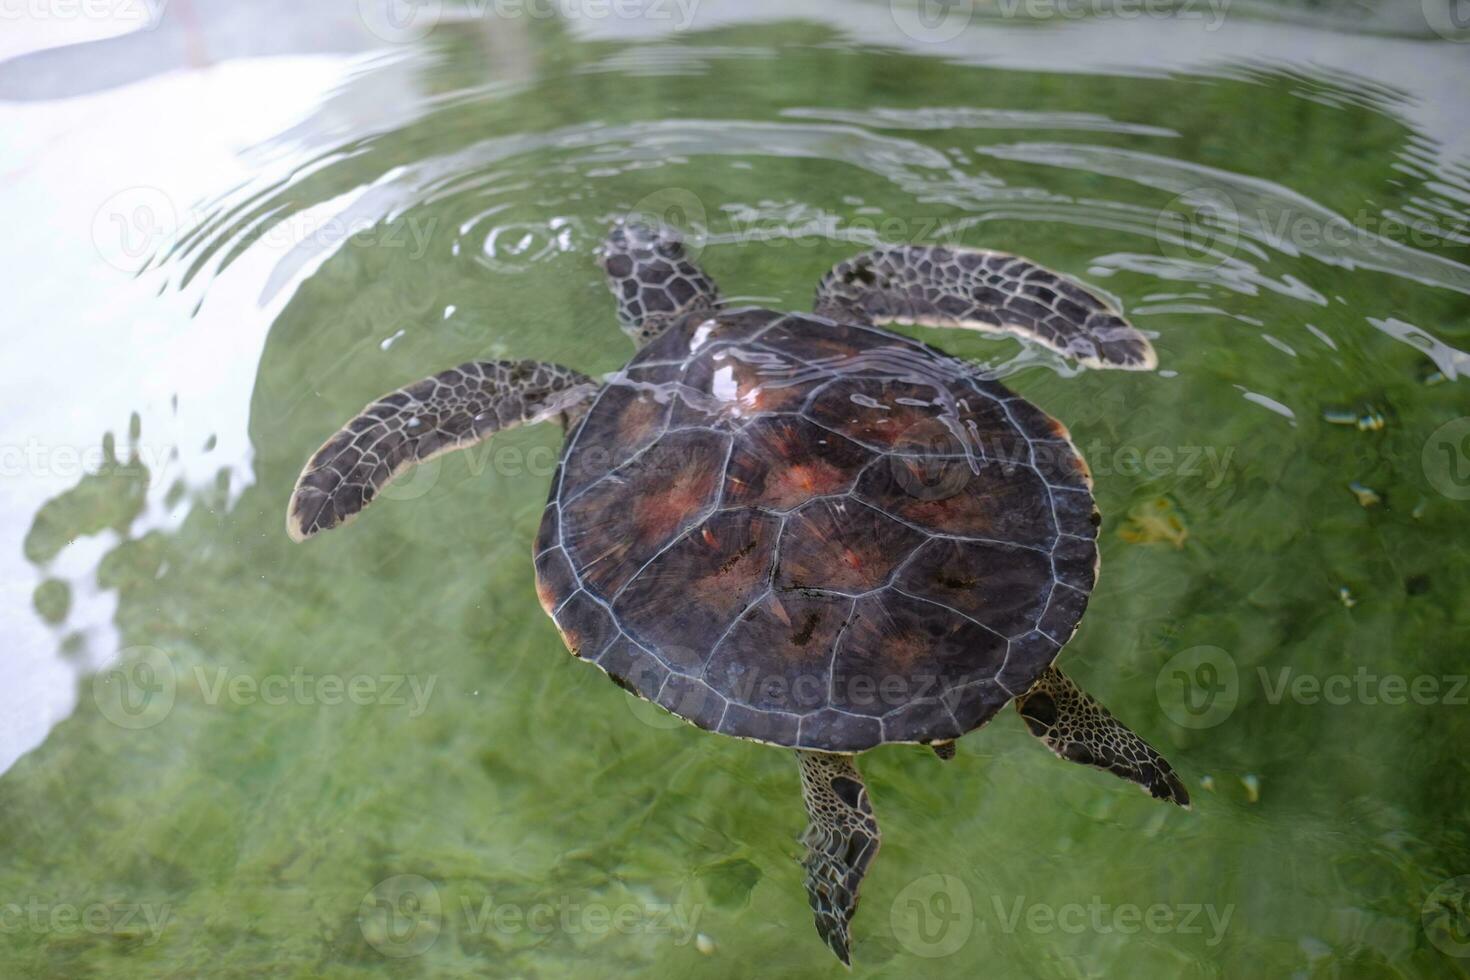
x=993, y=292
x=452, y=410
x=1078, y=729
x=841, y=842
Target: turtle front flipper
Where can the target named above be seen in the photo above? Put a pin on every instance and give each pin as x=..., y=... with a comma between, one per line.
x=841, y=841
x=1078, y=729
x=936, y=286
x=452, y=410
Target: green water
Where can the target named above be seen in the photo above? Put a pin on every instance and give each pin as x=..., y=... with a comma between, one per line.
x=268, y=737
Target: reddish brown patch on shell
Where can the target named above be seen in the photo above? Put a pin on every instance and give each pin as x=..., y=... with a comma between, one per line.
x=983, y=499
x=709, y=576
x=620, y=523
x=842, y=545
x=782, y=462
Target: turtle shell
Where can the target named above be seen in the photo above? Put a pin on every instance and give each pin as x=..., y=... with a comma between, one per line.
x=817, y=535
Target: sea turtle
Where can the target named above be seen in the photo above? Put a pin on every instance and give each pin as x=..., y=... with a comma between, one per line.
x=803, y=530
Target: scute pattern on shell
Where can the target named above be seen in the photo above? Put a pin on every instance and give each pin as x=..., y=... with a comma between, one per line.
x=818, y=535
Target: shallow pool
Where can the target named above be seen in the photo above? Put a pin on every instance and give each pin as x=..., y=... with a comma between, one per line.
x=225, y=754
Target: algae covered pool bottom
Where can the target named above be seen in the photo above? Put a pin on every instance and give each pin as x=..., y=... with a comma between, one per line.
x=227, y=754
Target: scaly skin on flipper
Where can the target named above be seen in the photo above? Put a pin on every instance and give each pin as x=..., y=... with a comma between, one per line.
x=1078, y=729
x=841, y=841
x=993, y=292
x=451, y=410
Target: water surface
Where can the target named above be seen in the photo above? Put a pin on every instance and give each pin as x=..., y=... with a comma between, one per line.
x=345, y=758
